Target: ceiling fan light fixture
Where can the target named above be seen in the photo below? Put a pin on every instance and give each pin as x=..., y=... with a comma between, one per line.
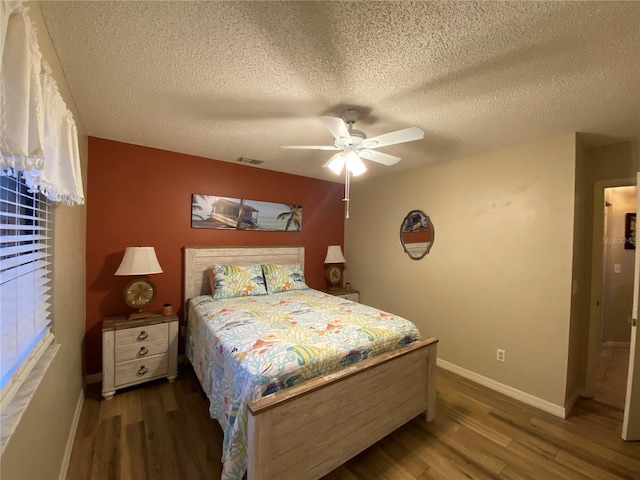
x=355, y=145
x=354, y=164
x=336, y=164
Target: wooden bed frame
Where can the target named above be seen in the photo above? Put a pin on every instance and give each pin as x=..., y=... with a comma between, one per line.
x=306, y=431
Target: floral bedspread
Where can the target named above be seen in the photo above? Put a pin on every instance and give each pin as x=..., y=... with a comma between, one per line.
x=246, y=347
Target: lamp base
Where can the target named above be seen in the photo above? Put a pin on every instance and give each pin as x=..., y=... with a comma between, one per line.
x=333, y=275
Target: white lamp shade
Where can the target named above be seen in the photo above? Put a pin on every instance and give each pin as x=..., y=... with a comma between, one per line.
x=139, y=261
x=336, y=163
x=355, y=165
x=334, y=255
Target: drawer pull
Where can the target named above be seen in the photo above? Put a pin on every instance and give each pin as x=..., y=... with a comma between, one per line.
x=143, y=336
x=143, y=351
x=142, y=370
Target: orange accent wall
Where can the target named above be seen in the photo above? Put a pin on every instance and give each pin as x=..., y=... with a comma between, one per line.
x=142, y=196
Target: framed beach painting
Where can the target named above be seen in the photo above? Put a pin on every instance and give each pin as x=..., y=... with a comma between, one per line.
x=228, y=213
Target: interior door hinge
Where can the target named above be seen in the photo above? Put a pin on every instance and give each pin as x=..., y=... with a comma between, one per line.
x=634, y=322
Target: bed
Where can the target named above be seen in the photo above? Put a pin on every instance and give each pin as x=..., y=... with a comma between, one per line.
x=308, y=428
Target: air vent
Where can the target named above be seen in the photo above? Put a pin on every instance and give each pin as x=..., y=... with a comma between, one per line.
x=251, y=161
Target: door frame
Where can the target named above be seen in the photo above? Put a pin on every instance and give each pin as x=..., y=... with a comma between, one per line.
x=631, y=417
x=597, y=273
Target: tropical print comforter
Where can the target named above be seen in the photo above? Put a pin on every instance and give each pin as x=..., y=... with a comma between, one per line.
x=246, y=347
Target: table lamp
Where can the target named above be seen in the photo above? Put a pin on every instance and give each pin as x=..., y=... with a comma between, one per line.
x=140, y=291
x=335, y=264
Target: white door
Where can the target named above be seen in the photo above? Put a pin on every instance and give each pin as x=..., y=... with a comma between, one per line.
x=631, y=422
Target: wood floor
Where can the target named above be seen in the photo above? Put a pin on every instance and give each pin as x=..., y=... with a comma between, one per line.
x=163, y=431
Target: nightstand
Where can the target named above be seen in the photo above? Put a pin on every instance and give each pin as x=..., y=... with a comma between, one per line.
x=343, y=293
x=136, y=351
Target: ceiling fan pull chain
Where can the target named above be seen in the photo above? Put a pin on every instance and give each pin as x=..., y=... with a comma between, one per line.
x=347, y=188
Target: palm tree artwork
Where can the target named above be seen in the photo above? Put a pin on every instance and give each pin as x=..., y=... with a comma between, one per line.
x=200, y=207
x=293, y=217
x=226, y=213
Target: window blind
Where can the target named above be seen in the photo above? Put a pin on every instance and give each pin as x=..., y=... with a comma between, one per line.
x=26, y=248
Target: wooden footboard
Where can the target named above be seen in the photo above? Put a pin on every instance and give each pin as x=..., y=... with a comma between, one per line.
x=304, y=432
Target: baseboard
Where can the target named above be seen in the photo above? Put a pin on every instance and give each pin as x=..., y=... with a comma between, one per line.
x=524, y=397
x=585, y=392
x=572, y=400
x=72, y=436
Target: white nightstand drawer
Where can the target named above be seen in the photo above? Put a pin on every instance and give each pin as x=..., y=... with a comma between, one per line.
x=148, y=333
x=138, y=350
x=351, y=296
x=141, y=349
x=139, y=370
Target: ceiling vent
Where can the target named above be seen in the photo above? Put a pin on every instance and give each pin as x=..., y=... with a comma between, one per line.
x=251, y=161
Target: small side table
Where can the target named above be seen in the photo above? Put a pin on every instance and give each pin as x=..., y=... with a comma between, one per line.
x=136, y=351
x=347, y=294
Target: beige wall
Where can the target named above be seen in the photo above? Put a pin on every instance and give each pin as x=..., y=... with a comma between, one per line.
x=500, y=272
x=618, y=290
x=620, y=160
x=37, y=448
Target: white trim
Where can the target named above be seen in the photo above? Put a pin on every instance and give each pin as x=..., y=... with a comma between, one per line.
x=524, y=397
x=72, y=436
x=12, y=414
x=572, y=401
x=25, y=368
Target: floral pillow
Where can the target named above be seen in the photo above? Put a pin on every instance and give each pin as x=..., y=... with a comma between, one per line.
x=281, y=278
x=238, y=281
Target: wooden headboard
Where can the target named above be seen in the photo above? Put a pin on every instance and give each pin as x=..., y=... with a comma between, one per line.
x=198, y=259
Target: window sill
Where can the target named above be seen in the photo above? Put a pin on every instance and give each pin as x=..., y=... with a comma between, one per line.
x=13, y=412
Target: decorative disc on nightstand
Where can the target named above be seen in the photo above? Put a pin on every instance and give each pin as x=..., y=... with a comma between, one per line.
x=139, y=292
x=334, y=276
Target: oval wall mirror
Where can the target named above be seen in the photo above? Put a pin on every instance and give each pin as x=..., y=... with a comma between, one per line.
x=416, y=234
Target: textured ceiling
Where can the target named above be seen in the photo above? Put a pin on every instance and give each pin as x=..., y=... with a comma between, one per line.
x=229, y=79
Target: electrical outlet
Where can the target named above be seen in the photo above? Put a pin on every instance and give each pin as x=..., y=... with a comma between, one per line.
x=500, y=355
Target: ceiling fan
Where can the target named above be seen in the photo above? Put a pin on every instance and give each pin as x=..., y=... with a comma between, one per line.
x=354, y=144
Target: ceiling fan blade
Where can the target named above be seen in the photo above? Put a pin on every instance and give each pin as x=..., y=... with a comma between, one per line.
x=337, y=127
x=383, y=158
x=399, y=136
x=310, y=147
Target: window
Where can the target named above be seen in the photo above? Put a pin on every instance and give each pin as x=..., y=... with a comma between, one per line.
x=26, y=250
x=39, y=145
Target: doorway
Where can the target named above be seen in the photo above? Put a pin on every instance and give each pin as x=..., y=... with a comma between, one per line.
x=612, y=292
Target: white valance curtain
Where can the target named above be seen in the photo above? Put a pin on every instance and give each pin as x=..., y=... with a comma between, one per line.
x=38, y=135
